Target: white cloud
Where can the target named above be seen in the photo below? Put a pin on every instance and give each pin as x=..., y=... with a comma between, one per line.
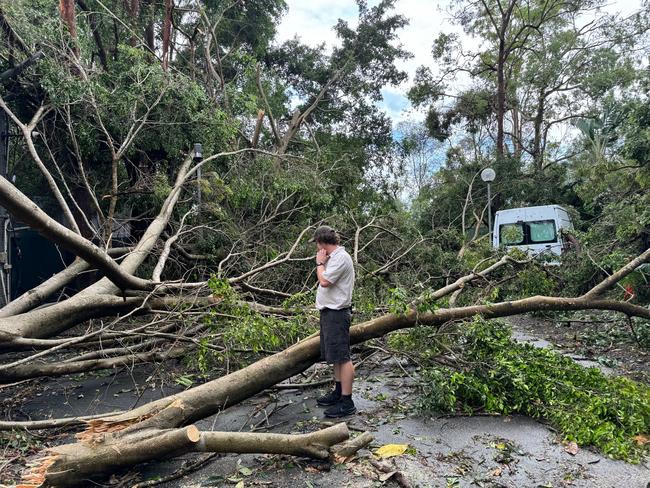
x=623, y=7
x=313, y=21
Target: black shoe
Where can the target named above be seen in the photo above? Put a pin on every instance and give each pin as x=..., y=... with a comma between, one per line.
x=341, y=409
x=330, y=399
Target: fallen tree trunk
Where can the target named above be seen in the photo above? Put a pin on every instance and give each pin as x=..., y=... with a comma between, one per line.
x=76, y=464
x=106, y=303
x=49, y=321
x=315, y=445
x=99, y=306
x=209, y=398
x=22, y=208
x=87, y=303
x=19, y=321
x=27, y=371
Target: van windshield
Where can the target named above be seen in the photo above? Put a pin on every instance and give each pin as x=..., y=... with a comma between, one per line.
x=511, y=234
x=521, y=233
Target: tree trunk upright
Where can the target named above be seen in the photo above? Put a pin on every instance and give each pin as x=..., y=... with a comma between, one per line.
x=67, y=10
x=166, y=34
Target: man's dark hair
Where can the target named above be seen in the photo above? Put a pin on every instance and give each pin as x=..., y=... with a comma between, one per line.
x=326, y=235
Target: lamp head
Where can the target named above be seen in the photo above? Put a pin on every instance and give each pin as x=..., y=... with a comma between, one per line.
x=198, y=151
x=488, y=175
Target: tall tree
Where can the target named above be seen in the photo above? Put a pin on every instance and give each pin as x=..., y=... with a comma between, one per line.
x=541, y=60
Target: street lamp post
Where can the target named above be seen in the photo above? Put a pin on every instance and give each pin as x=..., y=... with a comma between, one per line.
x=488, y=176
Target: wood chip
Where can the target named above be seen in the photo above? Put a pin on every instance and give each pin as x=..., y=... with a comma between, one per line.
x=572, y=448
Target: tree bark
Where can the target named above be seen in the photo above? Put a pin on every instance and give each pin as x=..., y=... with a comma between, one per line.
x=314, y=445
x=100, y=298
x=166, y=34
x=67, y=10
x=25, y=210
x=26, y=371
x=351, y=447
x=76, y=464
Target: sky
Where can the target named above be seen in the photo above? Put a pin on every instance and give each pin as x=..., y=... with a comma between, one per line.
x=312, y=22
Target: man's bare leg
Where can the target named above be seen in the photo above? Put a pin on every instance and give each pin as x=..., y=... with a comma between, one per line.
x=337, y=372
x=346, y=375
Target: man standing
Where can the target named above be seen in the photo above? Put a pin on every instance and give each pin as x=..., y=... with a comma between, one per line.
x=335, y=273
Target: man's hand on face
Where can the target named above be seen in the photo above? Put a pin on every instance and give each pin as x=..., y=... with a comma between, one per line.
x=321, y=256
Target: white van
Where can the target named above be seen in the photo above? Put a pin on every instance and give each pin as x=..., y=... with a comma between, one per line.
x=536, y=230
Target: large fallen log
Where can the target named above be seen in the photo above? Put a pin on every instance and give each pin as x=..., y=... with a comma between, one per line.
x=22, y=208
x=77, y=464
x=9, y=373
x=100, y=296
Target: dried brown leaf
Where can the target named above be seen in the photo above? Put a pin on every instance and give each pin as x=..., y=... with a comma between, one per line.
x=572, y=448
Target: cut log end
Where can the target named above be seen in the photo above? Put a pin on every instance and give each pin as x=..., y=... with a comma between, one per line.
x=193, y=433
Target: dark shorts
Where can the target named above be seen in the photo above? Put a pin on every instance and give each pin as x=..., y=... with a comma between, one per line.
x=335, y=335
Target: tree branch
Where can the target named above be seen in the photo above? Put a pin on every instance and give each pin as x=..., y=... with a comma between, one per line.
x=611, y=281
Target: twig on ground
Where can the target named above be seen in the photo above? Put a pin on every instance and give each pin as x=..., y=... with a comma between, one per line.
x=52, y=423
x=291, y=386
